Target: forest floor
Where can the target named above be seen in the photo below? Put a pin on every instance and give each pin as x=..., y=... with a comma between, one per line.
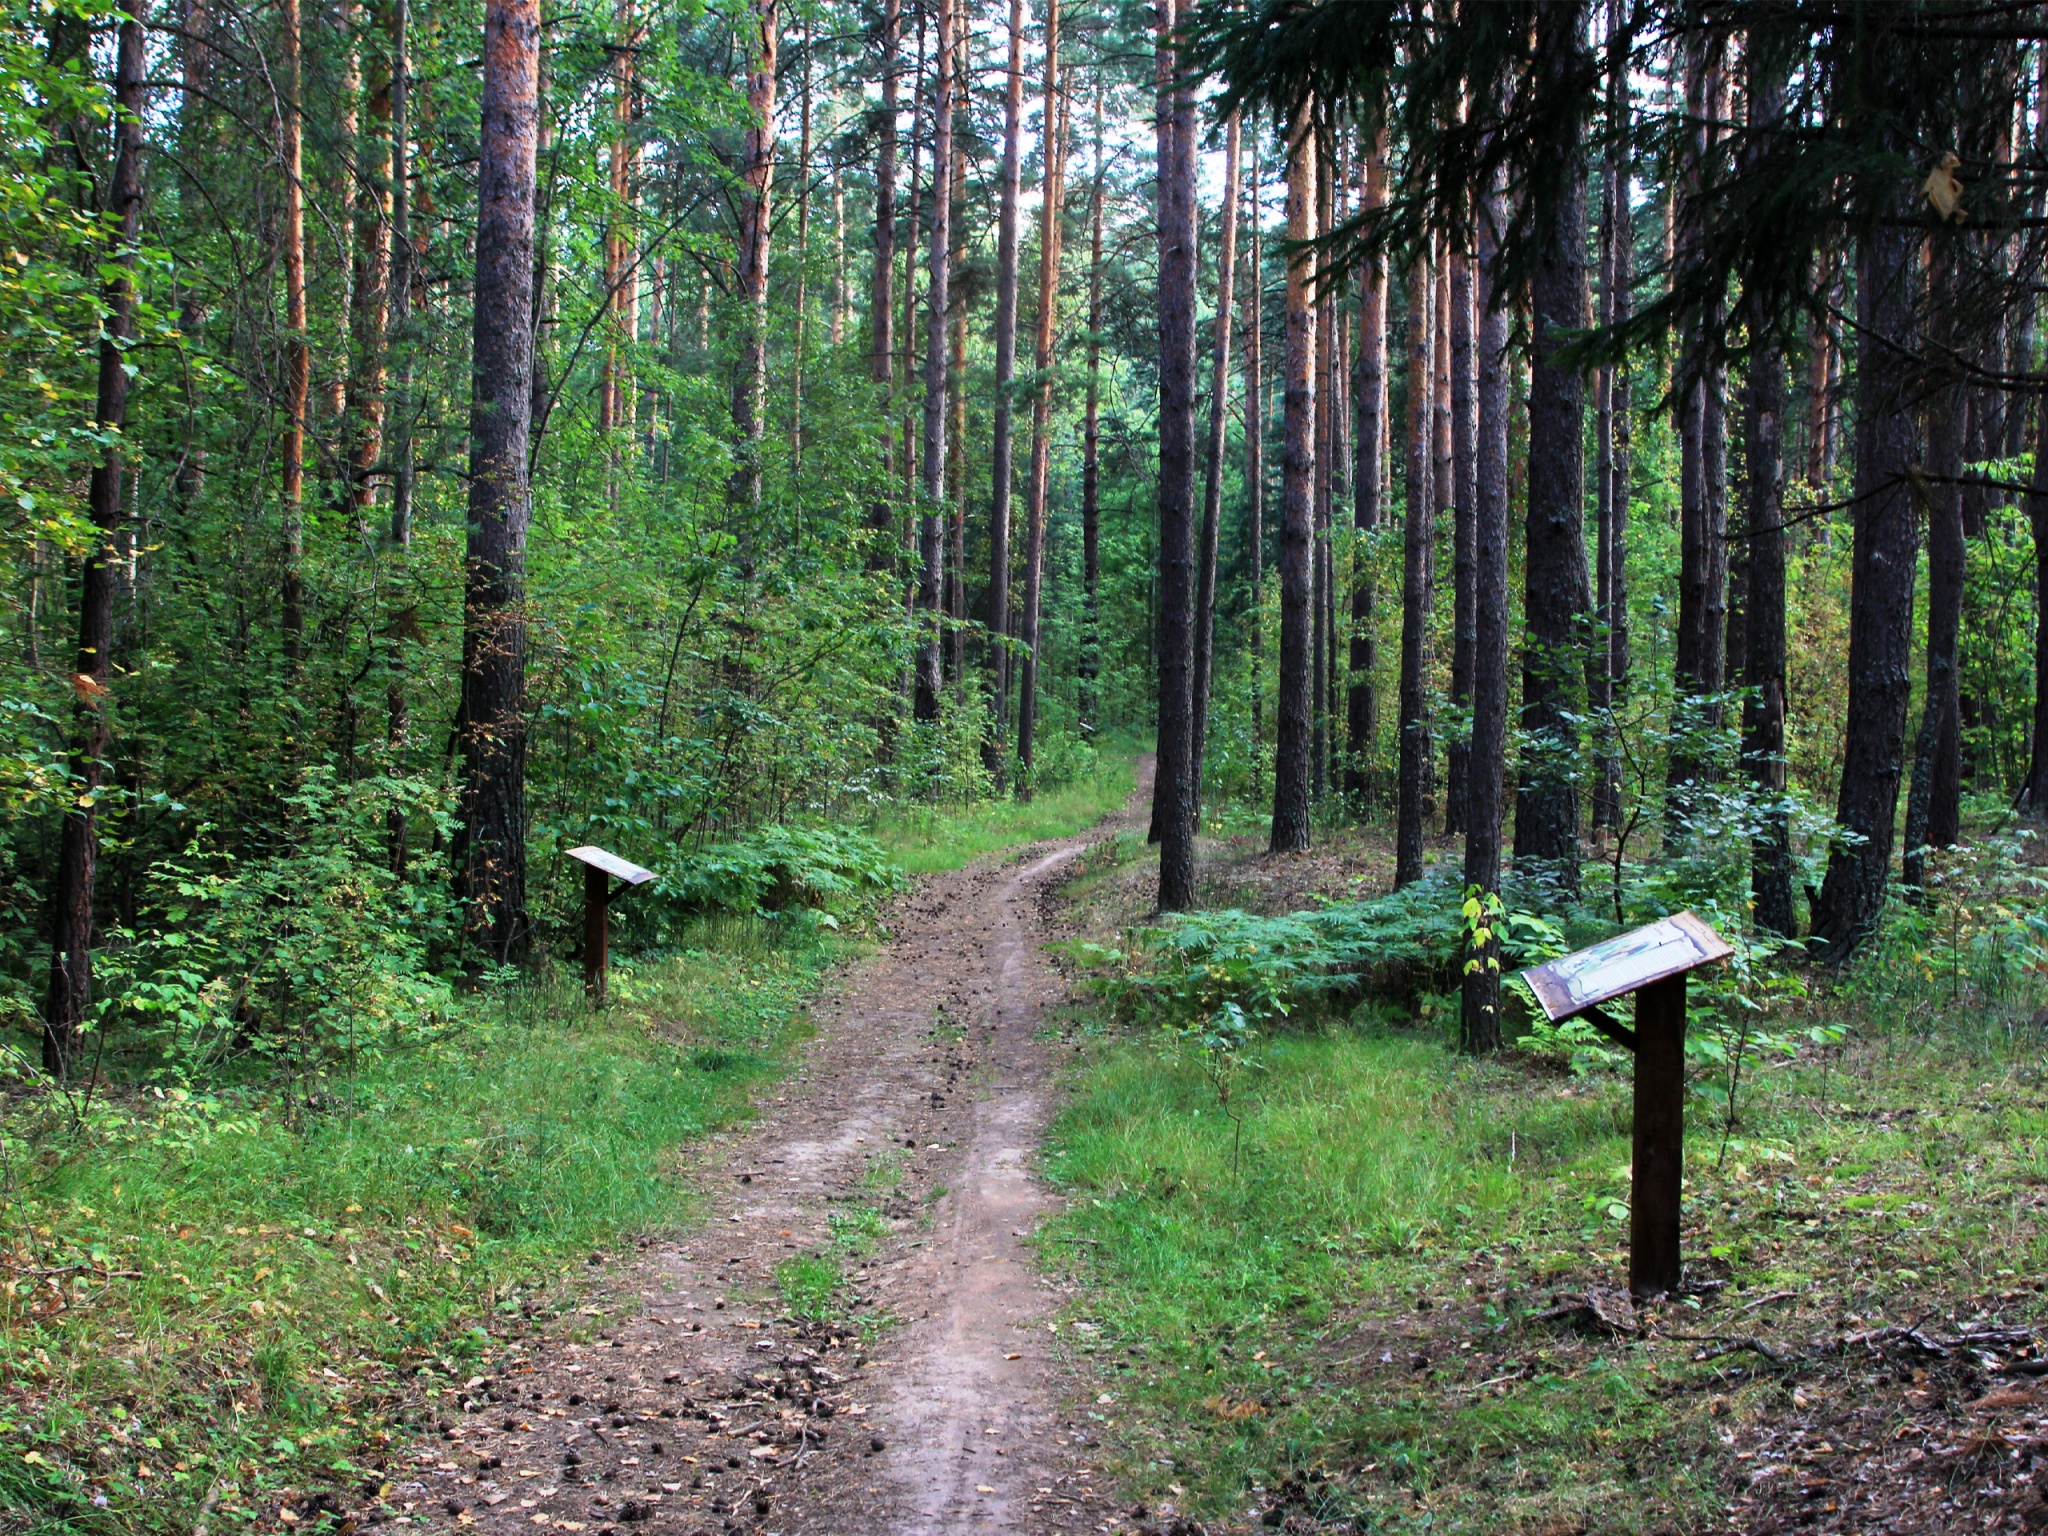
x=1392, y=1298
x=856, y=1337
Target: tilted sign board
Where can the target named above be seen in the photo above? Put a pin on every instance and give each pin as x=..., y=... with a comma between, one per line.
x=1651, y=962
x=599, y=868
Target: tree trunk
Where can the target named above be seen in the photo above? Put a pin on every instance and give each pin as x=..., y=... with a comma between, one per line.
x=1556, y=596
x=1212, y=487
x=490, y=845
x=1763, y=735
x=1486, y=766
x=1051, y=207
x=618, y=240
x=750, y=268
x=1091, y=450
x=2037, y=518
x=1881, y=586
x=1610, y=433
x=1411, y=788
x=397, y=705
x=298, y=365
x=1369, y=500
x=1294, y=727
x=956, y=384
x=1174, y=810
x=882, y=290
x=1255, y=471
x=1002, y=472
x=369, y=312
x=1464, y=449
x=1932, y=800
x=71, y=901
x=931, y=683
x=1699, y=657
x=1326, y=310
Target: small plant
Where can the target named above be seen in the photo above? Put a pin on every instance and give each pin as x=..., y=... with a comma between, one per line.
x=1222, y=1043
x=809, y=1283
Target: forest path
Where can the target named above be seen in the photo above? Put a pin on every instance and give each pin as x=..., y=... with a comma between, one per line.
x=923, y=1097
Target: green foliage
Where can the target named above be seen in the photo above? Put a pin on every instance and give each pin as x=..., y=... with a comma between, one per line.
x=1186, y=969
x=829, y=870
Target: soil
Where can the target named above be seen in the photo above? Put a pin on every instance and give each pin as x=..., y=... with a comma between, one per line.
x=703, y=1406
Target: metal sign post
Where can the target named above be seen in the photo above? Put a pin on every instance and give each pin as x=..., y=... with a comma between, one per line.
x=599, y=868
x=1652, y=963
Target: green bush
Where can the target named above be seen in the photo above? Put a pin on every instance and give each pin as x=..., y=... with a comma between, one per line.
x=775, y=870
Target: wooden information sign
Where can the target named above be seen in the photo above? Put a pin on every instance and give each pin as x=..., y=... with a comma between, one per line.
x=1651, y=962
x=599, y=869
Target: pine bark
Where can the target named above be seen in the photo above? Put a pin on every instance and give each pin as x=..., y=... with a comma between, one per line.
x=369, y=294
x=72, y=898
x=1610, y=433
x=1320, y=645
x=1369, y=500
x=1255, y=471
x=1039, y=483
x=1411, y=786
x=1174, y=810
x=1002, y=472
x=1212, y=488
x=1294, y=727
x=2036, y=795
x=1486, y=767
x=298, y=365
x=1464, y=449
x=490, y=845
x=1881, y=584
x=930, y=684
x=1556, y=595
x=882, y=290
x=1932, y=799
x=1091, y=451
x=750, y=264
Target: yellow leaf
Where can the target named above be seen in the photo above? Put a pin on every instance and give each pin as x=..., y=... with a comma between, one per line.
x=1944, y=191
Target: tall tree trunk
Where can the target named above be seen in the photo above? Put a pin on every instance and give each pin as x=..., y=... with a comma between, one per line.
x=1881, y=583
x=1362, y=700
x=1610, y=431
x=956, y=385
x=298, y=364
x=1932, y=800
x=801, y=304
x=490, y=845
x=1174, y=779
x=1555, y=596
x=1411, y=787
x=1051, y=228
x=369, y=314
x=71, y=901
x=882, y=289
x=618, y=239
x=1255, y=470
x=1091, y=451
x=397, y=706
x=2037, y=519
x=1464, y=432
x=750, y=267
x=1292, y=769
x=1212, y=486
x=1319, y=562
x=1763, y=735
x=1486, y=767
x=931, y=551
x=1699, y=656
x=1001, y=470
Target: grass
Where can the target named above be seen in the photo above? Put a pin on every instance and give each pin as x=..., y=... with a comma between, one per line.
x=1343, y=1329
x=213, y=1296
x=929, y=839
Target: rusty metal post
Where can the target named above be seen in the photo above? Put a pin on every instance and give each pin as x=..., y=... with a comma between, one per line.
x=1658, y=1169
x=596, y=932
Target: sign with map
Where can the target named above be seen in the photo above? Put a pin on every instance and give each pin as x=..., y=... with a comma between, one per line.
x=1570, y=984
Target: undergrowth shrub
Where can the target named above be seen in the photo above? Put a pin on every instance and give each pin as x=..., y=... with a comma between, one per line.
x=1402, y=945
x=828, y=871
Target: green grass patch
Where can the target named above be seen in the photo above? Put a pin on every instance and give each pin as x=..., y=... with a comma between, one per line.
x=219, y=1295
x=1344, y=1326
x=928, y=839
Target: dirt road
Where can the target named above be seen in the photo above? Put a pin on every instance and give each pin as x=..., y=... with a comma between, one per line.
x=914, y=1118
